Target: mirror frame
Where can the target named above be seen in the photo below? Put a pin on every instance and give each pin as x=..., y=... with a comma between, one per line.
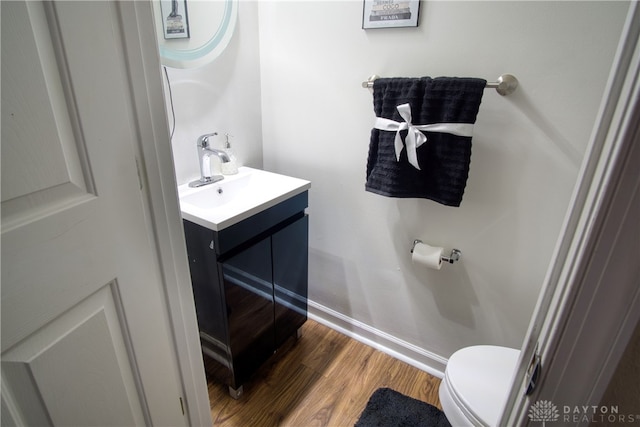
x=210, y=50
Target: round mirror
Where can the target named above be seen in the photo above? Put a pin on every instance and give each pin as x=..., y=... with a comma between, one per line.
x=192, y=33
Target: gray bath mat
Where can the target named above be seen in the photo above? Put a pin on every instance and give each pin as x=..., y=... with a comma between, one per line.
x=388, y=408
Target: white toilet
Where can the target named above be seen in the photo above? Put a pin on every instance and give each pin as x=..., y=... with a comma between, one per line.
x=476, y=384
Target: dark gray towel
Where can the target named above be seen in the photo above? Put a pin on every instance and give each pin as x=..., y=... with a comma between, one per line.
x=444, y=159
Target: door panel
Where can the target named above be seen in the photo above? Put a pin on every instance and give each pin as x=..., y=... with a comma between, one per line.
x=86, y=338
x=78, y=352
x=37, y=122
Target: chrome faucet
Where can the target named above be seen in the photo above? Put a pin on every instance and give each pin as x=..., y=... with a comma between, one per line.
x=204, y=153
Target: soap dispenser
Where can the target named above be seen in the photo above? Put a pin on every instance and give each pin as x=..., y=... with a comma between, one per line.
x=230, y=167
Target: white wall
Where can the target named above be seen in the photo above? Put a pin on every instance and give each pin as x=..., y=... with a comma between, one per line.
x=527, y=149
x=222, y=97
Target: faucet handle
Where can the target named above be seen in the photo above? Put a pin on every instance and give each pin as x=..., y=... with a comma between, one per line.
x=203, y=140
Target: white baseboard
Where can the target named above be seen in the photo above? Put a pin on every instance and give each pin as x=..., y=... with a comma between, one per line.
x=401, y=350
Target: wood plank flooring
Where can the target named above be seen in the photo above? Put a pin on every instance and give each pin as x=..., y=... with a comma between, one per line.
x=323, y=379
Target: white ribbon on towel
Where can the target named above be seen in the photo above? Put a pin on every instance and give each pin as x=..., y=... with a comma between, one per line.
x=415, y=138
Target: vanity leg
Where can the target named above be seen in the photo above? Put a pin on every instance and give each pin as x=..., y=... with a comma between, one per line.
x=298, y=333
x=235, y=392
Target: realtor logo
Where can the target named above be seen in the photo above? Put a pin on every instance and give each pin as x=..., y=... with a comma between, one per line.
x=543, y=410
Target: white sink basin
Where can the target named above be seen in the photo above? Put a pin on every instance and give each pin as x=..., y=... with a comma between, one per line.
x=224, y=203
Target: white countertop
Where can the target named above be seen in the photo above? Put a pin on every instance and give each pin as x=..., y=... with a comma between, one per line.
x=237, y=197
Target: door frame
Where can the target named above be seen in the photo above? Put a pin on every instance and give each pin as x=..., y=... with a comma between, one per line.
x=589, y=305
x=158, y=175
x=564, y=305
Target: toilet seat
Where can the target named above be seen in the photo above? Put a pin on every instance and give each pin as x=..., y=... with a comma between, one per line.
x=476, y=384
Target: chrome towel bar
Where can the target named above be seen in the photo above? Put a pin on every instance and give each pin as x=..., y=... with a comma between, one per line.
x=505, y=85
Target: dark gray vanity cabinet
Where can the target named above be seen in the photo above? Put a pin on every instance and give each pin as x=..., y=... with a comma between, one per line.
x=250, y=287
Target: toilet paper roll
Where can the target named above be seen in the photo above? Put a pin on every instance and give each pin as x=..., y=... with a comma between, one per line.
x=427, y=256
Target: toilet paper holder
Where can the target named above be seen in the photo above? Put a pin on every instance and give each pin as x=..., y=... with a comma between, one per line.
x=453, y=256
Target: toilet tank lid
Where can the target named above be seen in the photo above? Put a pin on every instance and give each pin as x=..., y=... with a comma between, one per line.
x=480, y=378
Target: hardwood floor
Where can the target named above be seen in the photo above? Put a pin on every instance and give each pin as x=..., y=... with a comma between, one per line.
x=323, y=379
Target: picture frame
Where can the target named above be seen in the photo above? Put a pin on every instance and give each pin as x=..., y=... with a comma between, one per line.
x=390, y=13
x=175, y=19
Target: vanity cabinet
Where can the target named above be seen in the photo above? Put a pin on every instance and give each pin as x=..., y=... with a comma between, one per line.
x=250, y=287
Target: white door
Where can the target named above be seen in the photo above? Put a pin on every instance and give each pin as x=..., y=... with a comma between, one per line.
x=86, y=338
x=590, y=302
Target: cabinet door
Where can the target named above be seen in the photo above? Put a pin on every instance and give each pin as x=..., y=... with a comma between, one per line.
x=207, y=292
x=290, y=277
x=249, y=302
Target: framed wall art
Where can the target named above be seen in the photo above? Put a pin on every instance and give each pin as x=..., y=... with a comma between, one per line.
x=175, y=20
x=390, y=13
